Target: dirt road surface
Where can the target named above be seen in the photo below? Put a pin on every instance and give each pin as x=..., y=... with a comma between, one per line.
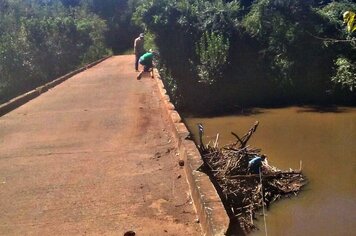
x=93, y=156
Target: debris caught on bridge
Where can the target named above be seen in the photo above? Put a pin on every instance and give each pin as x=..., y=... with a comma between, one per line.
x=243, y=193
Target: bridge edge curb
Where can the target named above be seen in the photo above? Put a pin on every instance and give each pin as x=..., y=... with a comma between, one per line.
x=24, y=98
x=210, y=209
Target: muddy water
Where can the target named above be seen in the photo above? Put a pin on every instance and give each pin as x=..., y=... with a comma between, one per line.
x=325, y=141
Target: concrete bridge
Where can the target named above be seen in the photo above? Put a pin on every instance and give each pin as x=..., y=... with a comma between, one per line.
x=98, y=154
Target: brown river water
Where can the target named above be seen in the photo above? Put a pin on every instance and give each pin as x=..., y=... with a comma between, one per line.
x=325, y=141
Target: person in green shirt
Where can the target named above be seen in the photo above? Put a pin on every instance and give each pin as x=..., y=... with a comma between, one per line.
x=146, y=60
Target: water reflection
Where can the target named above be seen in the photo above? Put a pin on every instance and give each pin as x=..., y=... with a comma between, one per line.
x=324, y=109
x=324, y=139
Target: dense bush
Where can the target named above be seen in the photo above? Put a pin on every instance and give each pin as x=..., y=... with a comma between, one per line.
x=117, y=15
x=342, y=43
x=178, y=27
x=212, y=50
x=345, y=73
x=41, y=40
x=277, y=52
x=217, y=54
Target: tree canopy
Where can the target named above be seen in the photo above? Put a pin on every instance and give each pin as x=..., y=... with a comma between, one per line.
x=271, y=52
x=222, y=53
x=43, y=39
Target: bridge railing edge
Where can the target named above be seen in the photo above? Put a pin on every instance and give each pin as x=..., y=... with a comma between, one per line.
x=210, y=209
x=24, y=98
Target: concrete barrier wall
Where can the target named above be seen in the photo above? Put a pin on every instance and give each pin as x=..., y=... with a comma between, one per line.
x=211, y=212
x=22, y=99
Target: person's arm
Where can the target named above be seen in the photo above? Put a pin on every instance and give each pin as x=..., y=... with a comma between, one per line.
x=153, y=62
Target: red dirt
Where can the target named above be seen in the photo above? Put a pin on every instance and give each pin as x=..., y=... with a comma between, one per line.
x=93, y=156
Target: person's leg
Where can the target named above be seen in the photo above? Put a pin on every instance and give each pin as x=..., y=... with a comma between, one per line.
x=139, y=75
x=151, y=72
x=137, y=58
x=149, y=68
x=144, y=70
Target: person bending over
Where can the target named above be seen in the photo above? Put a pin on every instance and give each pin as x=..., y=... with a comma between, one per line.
x=255, y=164
x=146, y=60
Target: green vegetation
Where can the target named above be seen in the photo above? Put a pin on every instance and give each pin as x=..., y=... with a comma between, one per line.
x=227, y=54
x=43, y=39
x=345, y=73
x=215, y=55
x=117, y=15
x=212, y=50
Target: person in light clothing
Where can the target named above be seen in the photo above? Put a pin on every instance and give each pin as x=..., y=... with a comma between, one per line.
x=139, y=49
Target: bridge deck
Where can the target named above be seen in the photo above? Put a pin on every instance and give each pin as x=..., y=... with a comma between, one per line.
x=93, y=156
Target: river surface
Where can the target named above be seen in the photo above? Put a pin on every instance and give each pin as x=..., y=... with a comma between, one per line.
x=325, y=141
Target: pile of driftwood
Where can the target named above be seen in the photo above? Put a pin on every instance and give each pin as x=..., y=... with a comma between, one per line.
x=246, y=194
